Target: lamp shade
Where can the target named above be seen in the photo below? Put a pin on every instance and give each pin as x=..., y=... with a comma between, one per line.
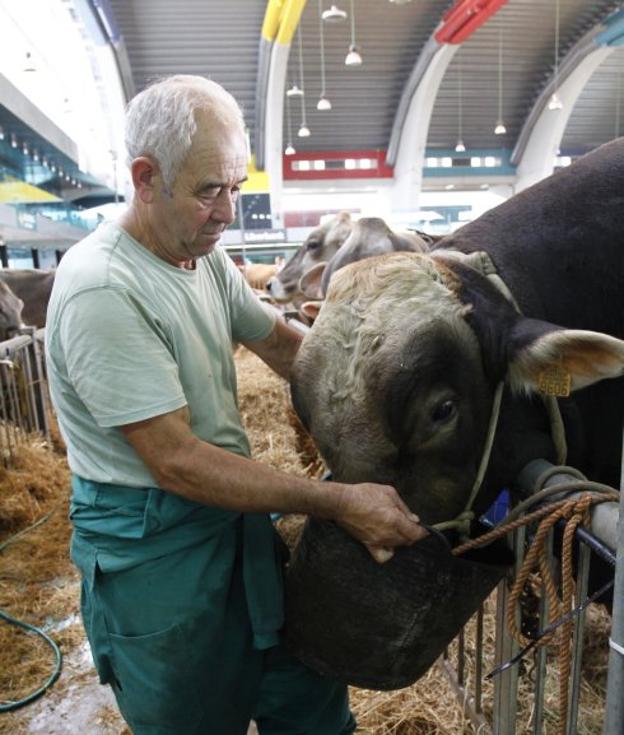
x=304, y=131
x=294, y=91
x=323, y=104
x=460, y=147
x=334, y=15
x=500, y=128
x=353, y=57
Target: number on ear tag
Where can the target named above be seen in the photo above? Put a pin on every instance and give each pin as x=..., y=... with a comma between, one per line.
x=555, y=381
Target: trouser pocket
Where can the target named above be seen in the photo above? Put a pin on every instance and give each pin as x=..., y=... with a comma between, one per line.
x=154, y=682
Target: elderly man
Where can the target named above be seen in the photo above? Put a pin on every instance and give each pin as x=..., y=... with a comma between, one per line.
x=181, y=595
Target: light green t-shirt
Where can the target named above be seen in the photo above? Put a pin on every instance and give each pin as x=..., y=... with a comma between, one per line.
x=129, y=337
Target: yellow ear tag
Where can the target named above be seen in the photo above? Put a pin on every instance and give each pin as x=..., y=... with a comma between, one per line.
x=555, y=381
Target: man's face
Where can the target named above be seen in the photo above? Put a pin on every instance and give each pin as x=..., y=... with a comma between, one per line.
x=189, y=220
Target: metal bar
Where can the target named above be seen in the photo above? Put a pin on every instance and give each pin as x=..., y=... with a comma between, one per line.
x=461, y=656
x=540, y=673
x=506, y=684
x=479, y=662
x=603, y=516
x=482, y=726
x=582, y=581
x=614, y=719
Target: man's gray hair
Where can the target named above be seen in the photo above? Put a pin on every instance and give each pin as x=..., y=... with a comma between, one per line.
x=160, y=120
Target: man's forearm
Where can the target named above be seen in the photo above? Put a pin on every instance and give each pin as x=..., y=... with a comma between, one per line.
x=213, y=476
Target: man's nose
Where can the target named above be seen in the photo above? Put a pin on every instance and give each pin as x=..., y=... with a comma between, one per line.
x=225, y=208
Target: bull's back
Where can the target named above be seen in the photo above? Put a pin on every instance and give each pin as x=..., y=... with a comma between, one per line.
x=559, y=245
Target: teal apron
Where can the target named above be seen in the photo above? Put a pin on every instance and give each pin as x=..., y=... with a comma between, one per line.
x=182, y=604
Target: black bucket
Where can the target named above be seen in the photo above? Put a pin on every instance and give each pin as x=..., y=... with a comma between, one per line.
x=381, y=626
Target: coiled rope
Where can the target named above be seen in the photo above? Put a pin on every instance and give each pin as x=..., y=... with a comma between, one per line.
x=572, y=512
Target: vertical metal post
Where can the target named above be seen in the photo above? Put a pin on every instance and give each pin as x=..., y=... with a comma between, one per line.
x=479, y=662
x=614, y=719
x=506, y=684
x=582, y=579
x=34, y=252
x=4, y=256
x=540, y=671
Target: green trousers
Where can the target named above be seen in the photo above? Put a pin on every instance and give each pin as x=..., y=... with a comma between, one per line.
x=173, y=637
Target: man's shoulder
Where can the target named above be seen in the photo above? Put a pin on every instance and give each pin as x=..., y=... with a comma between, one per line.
x=100, y=260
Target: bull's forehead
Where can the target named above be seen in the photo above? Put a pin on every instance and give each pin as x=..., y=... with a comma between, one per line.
x=378, y=301
x=373, y=310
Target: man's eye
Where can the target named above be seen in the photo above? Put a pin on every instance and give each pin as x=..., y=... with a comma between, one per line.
x=209, y=193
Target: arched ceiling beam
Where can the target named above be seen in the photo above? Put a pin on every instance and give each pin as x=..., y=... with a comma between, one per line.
x=406, y=150
x=542, y=132
x=280, y=23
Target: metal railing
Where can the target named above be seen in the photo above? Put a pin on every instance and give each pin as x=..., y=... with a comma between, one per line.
x=465, y=668
x=24, y=402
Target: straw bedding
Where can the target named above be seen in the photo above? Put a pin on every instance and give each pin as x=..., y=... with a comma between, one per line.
x=38, y=584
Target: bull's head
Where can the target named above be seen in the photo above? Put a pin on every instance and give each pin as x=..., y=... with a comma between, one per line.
x=396, y=379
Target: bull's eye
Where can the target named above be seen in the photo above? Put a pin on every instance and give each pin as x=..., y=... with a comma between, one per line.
x=443, y=412
x=313, y=244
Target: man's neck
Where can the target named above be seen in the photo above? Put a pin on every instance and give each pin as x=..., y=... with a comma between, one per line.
x=133, y=224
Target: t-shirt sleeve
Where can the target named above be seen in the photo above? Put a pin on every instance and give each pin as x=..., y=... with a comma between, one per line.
x=250, y=319
x=117, y=358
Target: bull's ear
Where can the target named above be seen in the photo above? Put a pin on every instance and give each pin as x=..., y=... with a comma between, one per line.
x=554, y=360
x=310, y=281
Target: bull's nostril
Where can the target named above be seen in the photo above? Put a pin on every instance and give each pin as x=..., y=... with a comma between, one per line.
x=268, y=286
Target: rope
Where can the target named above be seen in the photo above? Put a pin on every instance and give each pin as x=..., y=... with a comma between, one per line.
x=574, y=512
x=463, y=520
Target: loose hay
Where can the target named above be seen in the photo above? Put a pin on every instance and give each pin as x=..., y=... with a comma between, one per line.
x=37, y=583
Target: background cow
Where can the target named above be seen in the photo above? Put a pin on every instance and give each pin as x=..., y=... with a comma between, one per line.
x=33, y=287
x=10, y=312
x=320, y=246
x=369, y=236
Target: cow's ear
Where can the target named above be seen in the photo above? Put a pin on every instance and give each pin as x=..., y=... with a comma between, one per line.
x=550, y=359
x=310, y=309
x=310, y=281
x=408, y=241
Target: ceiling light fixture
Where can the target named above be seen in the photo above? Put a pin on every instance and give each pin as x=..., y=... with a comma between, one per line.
x=323, y=103
x=1, y=133
x=29, y=64
x=13, y=141
x=354, y=57
x=294, y=91
x=555, y=103
x=500, y=128
x=334, y=15
x=304, y=130
x=459, y=147
x=289, y=150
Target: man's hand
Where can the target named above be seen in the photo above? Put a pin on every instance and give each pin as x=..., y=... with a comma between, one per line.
x=376, y=516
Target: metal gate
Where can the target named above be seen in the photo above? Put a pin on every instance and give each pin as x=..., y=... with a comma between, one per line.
x=24, y=402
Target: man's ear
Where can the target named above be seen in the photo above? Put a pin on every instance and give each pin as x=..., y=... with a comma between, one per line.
x=562, y=360
x=144, y=171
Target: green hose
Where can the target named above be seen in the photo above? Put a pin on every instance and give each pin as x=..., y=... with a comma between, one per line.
x=9, y=706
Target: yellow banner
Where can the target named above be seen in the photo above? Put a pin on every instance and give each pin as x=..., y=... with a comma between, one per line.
x=19, y=192
x=257, y=181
